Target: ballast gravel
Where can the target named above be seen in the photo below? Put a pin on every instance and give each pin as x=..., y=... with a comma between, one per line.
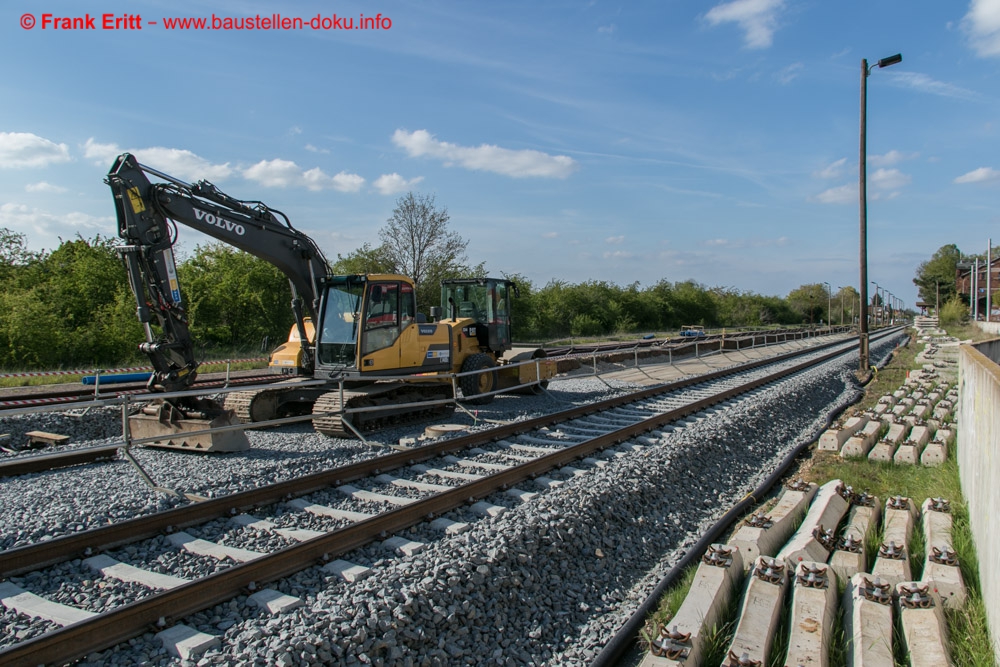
x=547, y=582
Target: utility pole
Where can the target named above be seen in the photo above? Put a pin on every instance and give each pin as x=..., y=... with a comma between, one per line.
x=863, y=250
x=829, y=304
x=863, y=205
x=972, y=290
x=975, y=293
x=989, y=271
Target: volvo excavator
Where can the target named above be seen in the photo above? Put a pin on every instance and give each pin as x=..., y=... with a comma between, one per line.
x=378, y=361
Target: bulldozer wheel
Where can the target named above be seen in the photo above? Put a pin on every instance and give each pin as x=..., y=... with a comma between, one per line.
x=481, y=383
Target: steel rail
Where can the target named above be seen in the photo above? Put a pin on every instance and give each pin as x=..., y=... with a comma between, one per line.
x=79, y=639
x=40, y=463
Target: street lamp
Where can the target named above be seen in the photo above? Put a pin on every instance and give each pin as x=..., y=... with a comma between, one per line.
x=863, y=202
x=877, y=313
x=841, y=290
x=829, y=307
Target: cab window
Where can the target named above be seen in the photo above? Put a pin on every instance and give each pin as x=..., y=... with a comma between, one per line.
x=382, y=318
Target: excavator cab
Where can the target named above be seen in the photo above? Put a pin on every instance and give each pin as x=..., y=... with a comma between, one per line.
x=369, y=327
x=485, y=300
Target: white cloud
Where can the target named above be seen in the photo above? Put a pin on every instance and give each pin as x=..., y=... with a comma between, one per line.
x=883, y=180
x=981, y=175
x=24, y=149
x=609, y=29
x=736, y=244
x=44, y=187
x=101, y=154
x=274, y=173
x=890, y=158
x=314, y=149
x=614, y=239
x=788, y=74
x=177, y=162
x=844, y=194
x=280, y=173
x=550, y=235
x=36, y=223
x=925, y=84
x=884, y=195
x=390, y=184
x=982, y=24
x=758, y=18
x=345, y=182
x=486, y=157
x=833, y=170
x=889, y=179
x=619, y=254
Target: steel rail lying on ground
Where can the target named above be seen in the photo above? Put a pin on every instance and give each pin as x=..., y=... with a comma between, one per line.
x=100, y=632
x=40, y=463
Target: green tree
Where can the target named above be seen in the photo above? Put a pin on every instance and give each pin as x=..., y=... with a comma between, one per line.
x=694, y=305
x=417, y=243
x=846, y=305
x=234, y=299
x=364, y=260
x=810, y=301
x=69, y=307
x=938, y=273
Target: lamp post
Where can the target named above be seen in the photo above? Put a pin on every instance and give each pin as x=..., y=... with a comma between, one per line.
x=841, y=290
x=877, y=312
x=863, y=202
x=829, y=307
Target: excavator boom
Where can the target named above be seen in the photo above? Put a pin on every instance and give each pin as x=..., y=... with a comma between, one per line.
x=147, y=213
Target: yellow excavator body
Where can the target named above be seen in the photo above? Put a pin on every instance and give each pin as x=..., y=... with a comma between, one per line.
x=287, y=359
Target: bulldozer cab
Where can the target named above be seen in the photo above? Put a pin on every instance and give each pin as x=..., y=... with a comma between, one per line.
x=485, y=300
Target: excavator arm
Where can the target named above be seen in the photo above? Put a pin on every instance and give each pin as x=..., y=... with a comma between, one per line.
x=146, y=212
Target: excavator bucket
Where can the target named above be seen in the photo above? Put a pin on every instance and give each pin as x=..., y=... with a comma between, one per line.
x=177, y=428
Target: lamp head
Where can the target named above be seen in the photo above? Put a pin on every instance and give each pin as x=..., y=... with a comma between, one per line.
x=891, y=60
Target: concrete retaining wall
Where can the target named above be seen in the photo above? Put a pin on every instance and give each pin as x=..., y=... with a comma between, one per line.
x=979, y=464
x=989, y=327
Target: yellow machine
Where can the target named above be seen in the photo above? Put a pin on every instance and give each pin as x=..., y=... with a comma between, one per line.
x=370, y=335
x=360, y=334
x=287, y=358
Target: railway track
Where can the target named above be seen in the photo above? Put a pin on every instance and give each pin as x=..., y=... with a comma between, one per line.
x=428, y=482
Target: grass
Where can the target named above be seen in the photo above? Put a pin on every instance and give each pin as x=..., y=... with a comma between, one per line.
x=968, y=632
x=968, y=331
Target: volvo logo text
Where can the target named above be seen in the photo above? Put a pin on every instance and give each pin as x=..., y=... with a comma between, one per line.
x=219, y=221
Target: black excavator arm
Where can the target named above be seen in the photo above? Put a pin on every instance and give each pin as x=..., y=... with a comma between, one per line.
x=145, y=211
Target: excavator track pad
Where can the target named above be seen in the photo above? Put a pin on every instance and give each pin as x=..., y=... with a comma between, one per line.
x=174, y=425
x=387, y=397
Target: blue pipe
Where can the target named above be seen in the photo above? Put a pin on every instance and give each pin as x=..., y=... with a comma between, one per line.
x=114, y=379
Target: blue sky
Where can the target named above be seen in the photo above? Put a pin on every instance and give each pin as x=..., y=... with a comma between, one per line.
x=619, y=141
